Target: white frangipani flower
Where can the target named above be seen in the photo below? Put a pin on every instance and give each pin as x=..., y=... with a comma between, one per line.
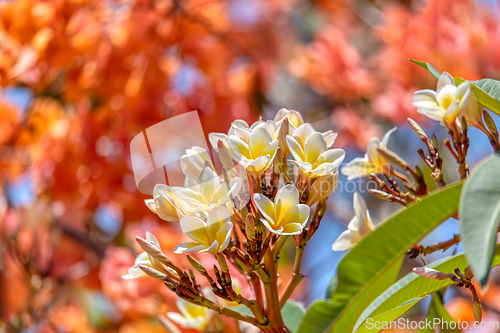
x=446, y=102
x=360, y=225
x=286, y=216
x=235, y=125
x=304, y=131
x=191, y=315
x=207, y=193
x=309, y=149
x=373, y=162
x=163, y=205
x=211, y=235
x=194, y=161
x=255, y=153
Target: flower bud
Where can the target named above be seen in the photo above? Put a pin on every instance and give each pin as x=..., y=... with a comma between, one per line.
x=432, y=274
x=417, y=130
x=476, y=306
x=196, y=265
x=222, y=263
x=434, y=141
x=393, y=158
x=225, y=158
x=381, y=195
x=153, y=250
x=490, y=123
x=250, y=228
x=153, y=272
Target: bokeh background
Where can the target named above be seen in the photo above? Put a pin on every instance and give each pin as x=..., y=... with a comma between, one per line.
x=80, y=78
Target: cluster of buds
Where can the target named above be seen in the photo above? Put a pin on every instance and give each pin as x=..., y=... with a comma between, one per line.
x=462, y=280
x=276, y=176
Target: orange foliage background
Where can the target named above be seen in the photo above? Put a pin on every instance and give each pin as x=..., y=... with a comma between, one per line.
x=95, y=73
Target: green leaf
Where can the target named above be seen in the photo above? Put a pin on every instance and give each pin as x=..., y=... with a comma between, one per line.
x=428, y=67
x=321, y=313
x=292, y=314
x=412, y=286
x=480, y=216
x=437, y=311
x=363, y=272
x=377, y=323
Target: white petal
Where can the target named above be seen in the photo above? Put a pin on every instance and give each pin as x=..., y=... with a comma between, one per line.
x=270, y=149
x=434, y=113
x=216, y=219
x=366, y=226
x=329, y=137
x=295, y=149
x=259, y=164
x=224, y=193
x=151, y=238
x=189, y=247
x=304, y=167
x=335, y=156
x=238, y=123
x=297, y=214
x=452, y=112
x=359, y=205
x=446, y=95
x=134, y=272
x=463, y=91
x=265, y=206
x=239, y=147
x=372, y=152
x=346, y=240
x=358, y=167
x=189, y=169
x=445, y=79
x=258, y=140
x=385, y=139
x=224, y=235
x=323, y=169
x=214, y=139
x=209, y=180
x=195, y=228
x=270, y=227
x=212, y=248
x=302, y=133
x=314, y=147
x=242, y=133
x=286, y=198
x=150, y=203
x=425, y=95
x=291, y=229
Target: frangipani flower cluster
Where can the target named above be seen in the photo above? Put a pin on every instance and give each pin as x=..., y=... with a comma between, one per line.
x=242, y=215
